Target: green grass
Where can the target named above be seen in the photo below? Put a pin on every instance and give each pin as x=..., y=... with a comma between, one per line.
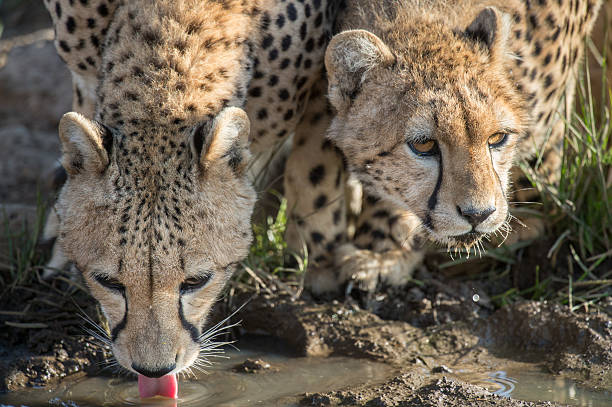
x=581, y=204
x=584, y=194
x=22, y=257
x=270, y=262
x=269, y=246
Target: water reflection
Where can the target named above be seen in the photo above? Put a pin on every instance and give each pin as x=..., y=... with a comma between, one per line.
x=531, y=384
x=288, y=377
x=507, y=383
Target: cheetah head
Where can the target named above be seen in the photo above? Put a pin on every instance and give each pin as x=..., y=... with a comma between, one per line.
x=429, y=119
x=156, y=229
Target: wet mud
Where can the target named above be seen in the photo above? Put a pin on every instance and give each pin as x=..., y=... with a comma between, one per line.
x=428, y=359
x=439, y=364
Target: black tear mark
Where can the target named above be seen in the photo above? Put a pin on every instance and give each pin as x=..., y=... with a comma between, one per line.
x=189, y=327
x=433, y=199
x=150, y=267
x=428, y=222
x=119, y=327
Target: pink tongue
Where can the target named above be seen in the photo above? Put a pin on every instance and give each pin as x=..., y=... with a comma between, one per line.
x=165, y=386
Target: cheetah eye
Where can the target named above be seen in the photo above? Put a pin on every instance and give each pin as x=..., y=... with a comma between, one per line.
x=426, y=148
x=194, y=283
x=498, y=140
x=110, y=283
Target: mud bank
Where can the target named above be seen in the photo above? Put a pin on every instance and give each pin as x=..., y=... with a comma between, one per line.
x=432, y=364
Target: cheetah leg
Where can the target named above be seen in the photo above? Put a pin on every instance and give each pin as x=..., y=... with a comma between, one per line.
x=50, y=233
x=545, y=167
x=84, y=102
x=58, y=260
x=314, y=183
x=385, y=250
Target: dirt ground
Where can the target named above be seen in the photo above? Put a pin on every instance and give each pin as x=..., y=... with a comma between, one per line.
x=424, y=328
x=423, y=356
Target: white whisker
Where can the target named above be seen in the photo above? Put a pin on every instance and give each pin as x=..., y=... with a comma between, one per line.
x=209, y=347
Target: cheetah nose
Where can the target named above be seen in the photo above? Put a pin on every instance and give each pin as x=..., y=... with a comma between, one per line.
x=155, y=372
x=475, y=216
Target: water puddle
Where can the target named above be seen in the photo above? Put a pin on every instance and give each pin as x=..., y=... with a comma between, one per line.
x=289, y=376
x=286, y=378
x=528, y=382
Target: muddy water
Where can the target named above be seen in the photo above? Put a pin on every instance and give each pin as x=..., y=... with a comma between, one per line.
x=281, y=383
x=282, y=378
x=530, y=383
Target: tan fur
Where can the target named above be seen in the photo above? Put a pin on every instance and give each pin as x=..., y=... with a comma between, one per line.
x=316, y=203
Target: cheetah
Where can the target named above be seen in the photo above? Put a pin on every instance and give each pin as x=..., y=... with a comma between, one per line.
x=435, y=101
x=172, y=98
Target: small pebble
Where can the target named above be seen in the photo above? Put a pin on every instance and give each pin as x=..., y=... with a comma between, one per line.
x=441, y=369
x=253, y=366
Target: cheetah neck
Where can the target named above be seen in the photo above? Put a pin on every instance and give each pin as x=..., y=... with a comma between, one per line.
x=171, y=64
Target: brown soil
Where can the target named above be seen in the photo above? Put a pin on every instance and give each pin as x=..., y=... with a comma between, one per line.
x=429, y=328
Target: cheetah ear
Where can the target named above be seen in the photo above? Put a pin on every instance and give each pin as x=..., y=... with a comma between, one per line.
x=490, y=29
x=349, y=57
x=226, y=139
x=86, y=144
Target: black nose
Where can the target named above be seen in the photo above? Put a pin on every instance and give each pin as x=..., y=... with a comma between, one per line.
x=155, y=372
x=476, y=216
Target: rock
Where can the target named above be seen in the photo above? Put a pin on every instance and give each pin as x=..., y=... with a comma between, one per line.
x=441, y=369
x=253, y=366
x=27, y=159
x=35, y=86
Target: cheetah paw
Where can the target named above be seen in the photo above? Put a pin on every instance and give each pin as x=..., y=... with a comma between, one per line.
x=367, y=268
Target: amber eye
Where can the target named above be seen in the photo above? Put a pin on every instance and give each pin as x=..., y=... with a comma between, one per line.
x=194, y=283
x=429, y=147
x=497, y=140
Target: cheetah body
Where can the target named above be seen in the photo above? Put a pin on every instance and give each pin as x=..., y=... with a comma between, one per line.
x=156, y=209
